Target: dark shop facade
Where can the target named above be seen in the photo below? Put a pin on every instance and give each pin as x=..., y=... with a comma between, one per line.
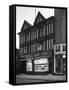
x=42, y=46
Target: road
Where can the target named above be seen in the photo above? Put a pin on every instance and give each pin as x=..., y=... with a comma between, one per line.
x=37, y=78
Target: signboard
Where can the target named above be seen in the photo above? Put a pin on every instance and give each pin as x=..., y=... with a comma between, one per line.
x=60, y=49
x=41, y=61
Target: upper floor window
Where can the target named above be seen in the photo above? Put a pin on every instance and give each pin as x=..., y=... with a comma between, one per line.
x=33, y=35
x=47, y=29
x=28, y=36
x=50, y=43
x=40, y=46
x=23, y=38
x=51, y=28
x=41, y=32
x=21, y=51
x=33, y=48
x=25, y=50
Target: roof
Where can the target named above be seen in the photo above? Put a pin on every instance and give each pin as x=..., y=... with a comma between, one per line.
x=25, y=25
x=39, y=18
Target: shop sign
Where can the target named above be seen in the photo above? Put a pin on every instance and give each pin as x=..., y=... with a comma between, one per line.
x=41, y=61
x=60, y=49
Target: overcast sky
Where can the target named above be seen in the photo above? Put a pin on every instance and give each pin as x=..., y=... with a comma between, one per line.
x=29, y=14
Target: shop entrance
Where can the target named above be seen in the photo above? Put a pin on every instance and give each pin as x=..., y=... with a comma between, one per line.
x=60, y=65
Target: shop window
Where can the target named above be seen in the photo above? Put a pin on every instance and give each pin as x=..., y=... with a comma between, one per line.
x=41, y=68
x=41, y=65
x=29, y=65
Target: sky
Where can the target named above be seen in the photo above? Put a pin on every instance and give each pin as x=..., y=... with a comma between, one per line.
x=29, y=14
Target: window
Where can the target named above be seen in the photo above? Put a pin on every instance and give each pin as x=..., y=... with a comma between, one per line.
x=47, y=29
x=29, y=65
x=50, y=43
x=23, y=38
x=40, y=46
x=41, y=32
x=37, y=33
x=47, y=44
x=21, y=51
x=33, y=35
x=29, y=48
x=33, y=48
x=25, y=50
x=51, y=27
x=28, y=36
x=41, y=65
x=44, y=45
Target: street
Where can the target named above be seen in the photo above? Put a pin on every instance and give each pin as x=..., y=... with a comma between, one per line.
x=39, y=78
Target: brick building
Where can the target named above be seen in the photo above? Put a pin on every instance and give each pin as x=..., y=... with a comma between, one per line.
x=60, y=41
x=39, y=44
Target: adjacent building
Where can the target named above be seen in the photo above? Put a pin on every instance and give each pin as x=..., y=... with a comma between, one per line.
x=60, y=41
x=39, y=44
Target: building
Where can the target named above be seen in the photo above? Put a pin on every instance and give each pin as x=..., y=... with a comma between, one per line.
x=39, y=43
x=60, y=41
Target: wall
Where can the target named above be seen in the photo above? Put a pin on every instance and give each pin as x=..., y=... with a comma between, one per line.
x=60, y=26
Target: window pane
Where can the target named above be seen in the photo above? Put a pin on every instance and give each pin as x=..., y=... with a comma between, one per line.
x=39, y=46
x=47, y=44
x=25, y=50
x=28, y=37
x=41, y=32
x=47, y=29
x=21, y=51
x=29, y=66
x=33, y=48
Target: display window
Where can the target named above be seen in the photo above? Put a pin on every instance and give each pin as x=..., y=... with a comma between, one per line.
x=41, y=65
x=29, y=65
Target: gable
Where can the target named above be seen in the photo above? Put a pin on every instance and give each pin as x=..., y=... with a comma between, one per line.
x=25, y=25
x=39, y=18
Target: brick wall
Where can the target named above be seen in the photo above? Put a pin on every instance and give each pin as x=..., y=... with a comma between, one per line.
x=60, y=26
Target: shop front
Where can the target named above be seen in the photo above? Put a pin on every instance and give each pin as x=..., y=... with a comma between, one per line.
x=60, y=59
x=37, y=66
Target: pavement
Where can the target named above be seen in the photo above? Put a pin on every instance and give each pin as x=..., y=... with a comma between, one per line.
x=23, y=78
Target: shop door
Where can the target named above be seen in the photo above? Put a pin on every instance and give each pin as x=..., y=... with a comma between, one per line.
x=64, y=66
x=59, y=65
